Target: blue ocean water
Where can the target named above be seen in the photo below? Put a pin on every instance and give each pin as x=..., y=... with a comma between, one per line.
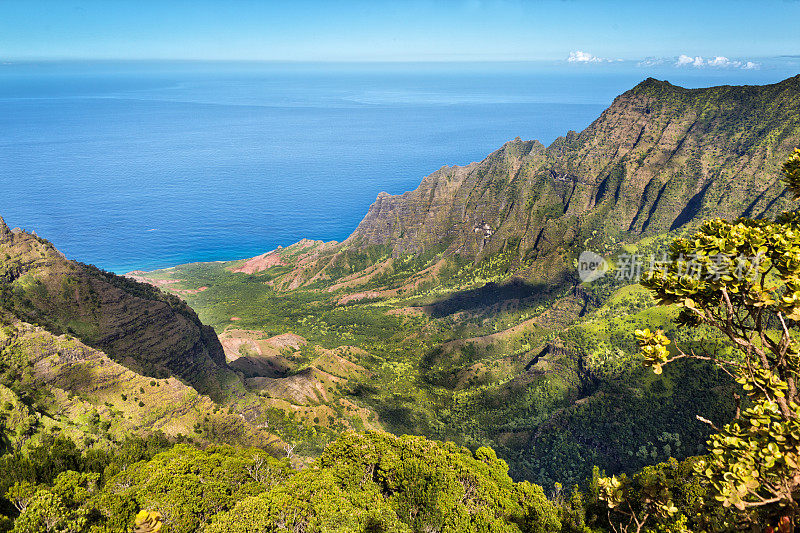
x=147, y=165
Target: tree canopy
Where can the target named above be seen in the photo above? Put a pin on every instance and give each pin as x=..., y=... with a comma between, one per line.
x=742, y=278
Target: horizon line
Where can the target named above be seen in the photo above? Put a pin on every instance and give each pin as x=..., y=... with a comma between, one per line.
x=455, y=59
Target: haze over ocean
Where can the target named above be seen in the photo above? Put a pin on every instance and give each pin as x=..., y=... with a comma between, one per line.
x=146, y=165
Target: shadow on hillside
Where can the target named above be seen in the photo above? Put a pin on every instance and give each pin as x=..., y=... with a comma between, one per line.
x=491, y=294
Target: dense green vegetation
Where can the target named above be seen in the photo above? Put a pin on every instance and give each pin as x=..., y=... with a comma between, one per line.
x=372, y=482
x=520, y=391
x=587, y=376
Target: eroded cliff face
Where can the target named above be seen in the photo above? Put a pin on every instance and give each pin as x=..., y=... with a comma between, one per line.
x=137, y=325
x=658, y=158
x=449, y=203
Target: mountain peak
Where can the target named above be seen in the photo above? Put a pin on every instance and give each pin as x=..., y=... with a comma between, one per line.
x=794, y=80
x=653, y=82
x=653, y=86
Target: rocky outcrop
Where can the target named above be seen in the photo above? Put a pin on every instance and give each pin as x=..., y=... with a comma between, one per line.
x=5, y=233
x=139, y=326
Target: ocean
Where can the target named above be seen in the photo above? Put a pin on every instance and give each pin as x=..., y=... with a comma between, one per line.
x=147, y=165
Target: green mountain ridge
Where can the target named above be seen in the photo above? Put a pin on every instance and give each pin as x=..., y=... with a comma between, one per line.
x=658, y=158
x=149, y=331
x=57, y=385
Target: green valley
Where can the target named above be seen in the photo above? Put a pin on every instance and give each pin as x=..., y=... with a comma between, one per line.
x=444, y=368
x=488, y=337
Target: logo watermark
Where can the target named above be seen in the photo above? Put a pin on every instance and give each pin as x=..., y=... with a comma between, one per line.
x=591, y=266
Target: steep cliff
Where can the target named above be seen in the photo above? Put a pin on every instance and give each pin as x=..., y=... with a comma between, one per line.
x=57, y=384
x=136, y=324
x=658, y=158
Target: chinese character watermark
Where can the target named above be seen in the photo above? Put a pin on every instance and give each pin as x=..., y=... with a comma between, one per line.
x=631, y=266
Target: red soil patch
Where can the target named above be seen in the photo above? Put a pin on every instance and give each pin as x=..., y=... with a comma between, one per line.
x=362, y=277
x=232, y=347
x=358, y=296
x=252, y=337
x=235, y=318
x=287, y=340
x=406, y=311
x=568, y=307
x=162, y=284
x=189, y=291
x=259, y=263
x=423, y=275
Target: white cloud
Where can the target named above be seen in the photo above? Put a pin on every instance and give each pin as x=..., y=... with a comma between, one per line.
x=685, y=61
x=651, y=62
x=715, y=62
x=579, y=56
x=724, y=62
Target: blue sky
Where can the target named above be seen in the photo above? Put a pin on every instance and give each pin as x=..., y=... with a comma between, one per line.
x=478, y=30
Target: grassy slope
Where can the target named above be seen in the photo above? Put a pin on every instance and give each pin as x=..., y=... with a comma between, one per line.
x=149, y=331
x=58, y=385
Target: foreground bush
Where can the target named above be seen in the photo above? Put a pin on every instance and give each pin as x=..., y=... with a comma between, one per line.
x=379, y=482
